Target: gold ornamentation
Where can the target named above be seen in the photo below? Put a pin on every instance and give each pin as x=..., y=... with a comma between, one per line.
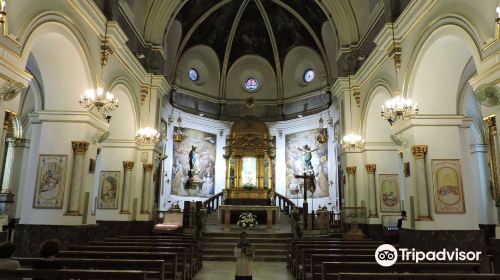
x=79, y=147
x=371, y=168
x=148, y=167
x=419, y=151
x=395, y=54
x=145, y=90
x=491, y=122
x=351, y=170
x=128, y=165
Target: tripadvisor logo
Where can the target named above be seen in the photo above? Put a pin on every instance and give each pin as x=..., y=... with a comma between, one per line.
x=387, y=255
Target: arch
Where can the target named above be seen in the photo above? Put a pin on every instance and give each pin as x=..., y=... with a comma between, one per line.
x=205, y=61
x=375, y=128
x=251, y=66
x=127, y=112
x=121, y=83
x=171, y=45
x=438, y=94
x=452, y=25
x=68, y=62
x=331, y=41
x=297, y=61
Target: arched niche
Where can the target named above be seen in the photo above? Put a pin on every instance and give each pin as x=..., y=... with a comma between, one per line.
x=376, y=129
x=251, y=66
x=62, y=64
x=125, y=114
x=439, y=65
x=297, y=61
x=205, y=61
x=171, y=45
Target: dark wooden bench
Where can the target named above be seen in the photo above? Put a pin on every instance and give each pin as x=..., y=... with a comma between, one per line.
x=313, y=268
x=155, y=268
x=331, y=269
x=192, y=252
x=416, y=276
x=182, y=256
x=170, y=259
x=73, y=274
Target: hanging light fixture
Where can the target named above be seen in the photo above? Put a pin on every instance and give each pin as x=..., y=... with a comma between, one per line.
x=322, y=135
x=98, y=98
x=3, y=12
x=148, y=135
x=399, y=107
x=352, y=142
x=178, y=131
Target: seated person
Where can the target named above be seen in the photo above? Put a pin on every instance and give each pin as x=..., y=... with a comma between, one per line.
x=403, y=218
x=48, y=251
x=6, y=251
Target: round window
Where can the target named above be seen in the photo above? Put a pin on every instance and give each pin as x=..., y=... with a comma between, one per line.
x=251, y=85
x=309, y=75
x=193, y=74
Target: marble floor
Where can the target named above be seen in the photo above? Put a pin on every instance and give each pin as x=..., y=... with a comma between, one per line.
x=261, y=271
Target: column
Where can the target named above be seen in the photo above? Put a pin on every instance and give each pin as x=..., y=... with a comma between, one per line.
x=7, y=169
x=146, y=187
x=372, y=191
x=75, y=194
x=491, y=138
x=351, y=186
x=422, y=196
x=270, y=173
x=127, y=186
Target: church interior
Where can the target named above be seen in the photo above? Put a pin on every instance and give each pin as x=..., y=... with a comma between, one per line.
x=348, y=139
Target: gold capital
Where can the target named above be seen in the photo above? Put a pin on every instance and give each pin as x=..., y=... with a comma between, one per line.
x=351, y=170
x=128, y=165
x=491, y=122
x=419, y=151
x=148, y=167
x=79, y=147
x=371, y=168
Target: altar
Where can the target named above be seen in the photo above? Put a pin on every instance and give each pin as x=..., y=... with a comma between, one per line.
x=272, y=213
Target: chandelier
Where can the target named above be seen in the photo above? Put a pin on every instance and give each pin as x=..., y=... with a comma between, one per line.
x=322, y=136
x=3, y=12
x=352, y=142
x=148, y=135
x=98, y=98
x=178, y=133
x=399, y=107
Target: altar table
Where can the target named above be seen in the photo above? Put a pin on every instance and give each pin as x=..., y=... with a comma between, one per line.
x=269, y=210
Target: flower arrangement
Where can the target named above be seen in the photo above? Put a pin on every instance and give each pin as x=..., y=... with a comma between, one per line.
x=247, y=220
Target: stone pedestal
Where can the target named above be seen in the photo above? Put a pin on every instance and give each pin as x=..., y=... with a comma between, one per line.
x=79, y=149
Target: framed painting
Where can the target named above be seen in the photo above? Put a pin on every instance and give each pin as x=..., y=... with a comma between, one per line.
x=50, y=181
x=390, y=200
x=109, y=183
x=448, y=189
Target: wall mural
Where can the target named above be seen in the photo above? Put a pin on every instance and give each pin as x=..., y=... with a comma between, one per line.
x=303, y=153
x=109, y=183
x=50, y=180
x=206, y=147
x=390, y=200
x=448, y=190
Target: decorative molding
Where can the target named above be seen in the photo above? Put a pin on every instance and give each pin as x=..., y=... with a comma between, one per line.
x=351, y=170
x=148, y=167
x=128, y=165
x=371, y=168
x=419, y=151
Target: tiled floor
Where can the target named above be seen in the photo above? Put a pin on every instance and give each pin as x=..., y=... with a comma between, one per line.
x=261, y=271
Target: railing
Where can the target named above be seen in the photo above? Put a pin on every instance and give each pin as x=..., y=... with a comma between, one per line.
x=284, y=203
x=333, y=221
x=213, y=203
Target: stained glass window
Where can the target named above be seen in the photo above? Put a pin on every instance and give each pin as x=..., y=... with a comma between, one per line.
x=193, y=74
x=309, y=75
x=251, y=85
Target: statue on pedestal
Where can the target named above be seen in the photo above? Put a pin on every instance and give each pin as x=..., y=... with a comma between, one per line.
x=306, y=159
x=194, y=169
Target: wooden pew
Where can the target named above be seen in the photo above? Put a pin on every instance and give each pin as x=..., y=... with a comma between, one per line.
x=182, y=255
x=73, y=274
x=155, y=268
x=197, y=243
x=313, y=269
x=170, y=259
x=193, y=257
x=331, y=269
x=416, y=276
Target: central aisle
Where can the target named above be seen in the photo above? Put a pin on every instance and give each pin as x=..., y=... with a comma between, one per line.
x=261, y=271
